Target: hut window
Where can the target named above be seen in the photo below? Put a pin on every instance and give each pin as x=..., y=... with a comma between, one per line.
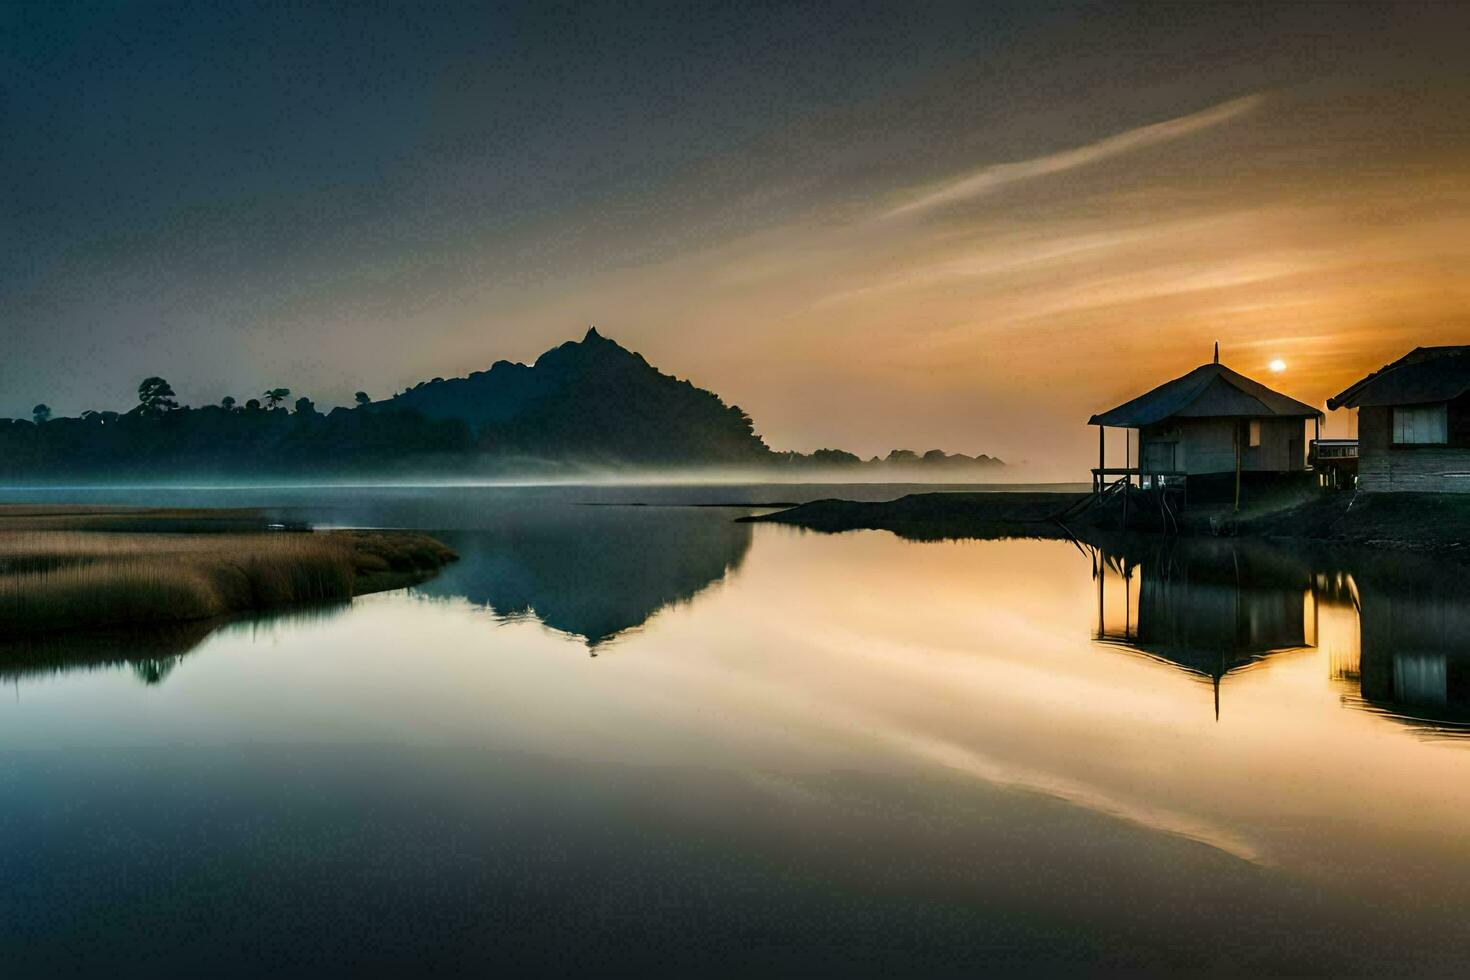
x=1423, y=425
x=1255, y=433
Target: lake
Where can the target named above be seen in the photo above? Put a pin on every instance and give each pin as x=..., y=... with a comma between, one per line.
x=650, y=740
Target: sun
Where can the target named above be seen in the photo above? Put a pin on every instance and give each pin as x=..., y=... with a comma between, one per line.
x=1277, y=366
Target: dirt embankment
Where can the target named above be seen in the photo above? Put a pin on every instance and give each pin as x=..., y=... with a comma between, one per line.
x=1432, y=523
x=1427, y=522
x=934, y=516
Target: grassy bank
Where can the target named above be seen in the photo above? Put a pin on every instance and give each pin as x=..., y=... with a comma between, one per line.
x=144, y=571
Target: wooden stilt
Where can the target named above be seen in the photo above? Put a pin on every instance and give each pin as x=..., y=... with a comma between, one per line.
x=1237, y=467
x=1101, y=457
x=1101, y=571
x=1316, y=436
x=1127, y=597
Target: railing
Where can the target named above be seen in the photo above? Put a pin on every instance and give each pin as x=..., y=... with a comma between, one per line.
x=1325, y=450
x=1145, y=479
x=1335, y=461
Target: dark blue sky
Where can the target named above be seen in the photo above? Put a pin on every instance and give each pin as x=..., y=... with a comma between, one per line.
x=178, y=167
x=340, y=196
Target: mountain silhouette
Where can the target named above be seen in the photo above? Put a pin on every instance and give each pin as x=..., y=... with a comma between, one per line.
x=586, y=403
x=591, y=399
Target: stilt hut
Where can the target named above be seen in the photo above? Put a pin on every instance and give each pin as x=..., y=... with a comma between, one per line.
x=1414, y=422
x=1210, y=421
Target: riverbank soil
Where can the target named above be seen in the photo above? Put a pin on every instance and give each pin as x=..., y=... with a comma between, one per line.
x=935, y=516
x=1432, y=523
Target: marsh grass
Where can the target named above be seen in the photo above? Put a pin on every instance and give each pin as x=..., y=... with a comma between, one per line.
x=52, y=580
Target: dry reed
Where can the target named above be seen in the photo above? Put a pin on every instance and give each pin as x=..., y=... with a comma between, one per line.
x=63, y=580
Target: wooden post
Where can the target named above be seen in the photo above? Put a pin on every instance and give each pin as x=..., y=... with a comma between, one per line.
x=1102, y=569
x=1127, y=597
x=1316, y=449
x=1100, y=458
x=1140, y=459
x=1237, y=467
x=1127, y=477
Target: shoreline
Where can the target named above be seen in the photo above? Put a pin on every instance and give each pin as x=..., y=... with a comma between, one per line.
x=934, y=516
x=1436, y=524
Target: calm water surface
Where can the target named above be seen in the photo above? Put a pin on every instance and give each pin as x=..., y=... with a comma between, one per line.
x=649, y=739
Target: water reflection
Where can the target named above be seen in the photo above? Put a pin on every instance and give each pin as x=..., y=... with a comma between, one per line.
x=1209, y=607
x=151, y=654
x=594, y=572
x=908, y=758
x=1414, y=663
x=1395, y=629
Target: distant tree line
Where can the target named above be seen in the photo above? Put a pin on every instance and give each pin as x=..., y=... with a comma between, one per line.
x=898, y=458
x=582, y=403
x=159, y=438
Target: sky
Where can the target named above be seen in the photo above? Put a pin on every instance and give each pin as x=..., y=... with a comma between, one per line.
x=963, y=226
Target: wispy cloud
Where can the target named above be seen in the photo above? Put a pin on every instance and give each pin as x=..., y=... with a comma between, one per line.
x=996, y=176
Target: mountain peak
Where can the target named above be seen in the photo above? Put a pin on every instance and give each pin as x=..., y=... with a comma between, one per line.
x=594, y=399
x=592, y=349
x=596, y=341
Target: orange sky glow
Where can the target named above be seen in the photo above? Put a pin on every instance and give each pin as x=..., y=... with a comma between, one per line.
x=997, y=310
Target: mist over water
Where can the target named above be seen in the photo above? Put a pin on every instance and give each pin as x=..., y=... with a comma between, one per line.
x=597, y=480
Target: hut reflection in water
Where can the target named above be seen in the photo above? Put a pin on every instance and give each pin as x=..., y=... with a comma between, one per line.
x=1205, y=606
x=1394, y=631
x=1415, y=663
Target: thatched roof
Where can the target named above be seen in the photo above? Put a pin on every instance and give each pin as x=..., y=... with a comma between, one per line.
x=1424, y=375
x=1209, y=391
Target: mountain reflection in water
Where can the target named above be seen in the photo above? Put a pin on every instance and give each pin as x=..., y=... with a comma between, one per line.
x=593, y=572
x=1396, y=628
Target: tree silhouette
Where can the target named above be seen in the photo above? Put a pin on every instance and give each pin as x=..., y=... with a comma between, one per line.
x=274, y=396
x=305, y=406
x=362, y=398
x=155, y=396
x=227, y=403
x=41, y=413
x=253, y=405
